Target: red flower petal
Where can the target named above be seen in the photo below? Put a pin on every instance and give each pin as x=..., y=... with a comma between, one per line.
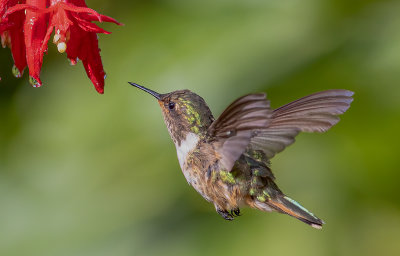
x=4, y=27
x=77, y=9
x=12, y=35
x=3, y=7
x=20, y=7
x=88, y=26
x=18, y=43
x=84, y=45
x=35, y=31
x=104, y=18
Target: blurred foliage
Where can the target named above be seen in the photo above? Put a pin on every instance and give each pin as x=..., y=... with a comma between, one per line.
x=88, y=174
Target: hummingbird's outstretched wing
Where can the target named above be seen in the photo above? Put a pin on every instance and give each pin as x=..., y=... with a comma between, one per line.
x=230, y=134
x=314, y=113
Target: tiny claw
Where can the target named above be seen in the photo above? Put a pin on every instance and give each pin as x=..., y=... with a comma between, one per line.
x=225, y=214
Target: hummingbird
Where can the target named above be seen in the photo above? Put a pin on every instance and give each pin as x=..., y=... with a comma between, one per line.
x=227, y=160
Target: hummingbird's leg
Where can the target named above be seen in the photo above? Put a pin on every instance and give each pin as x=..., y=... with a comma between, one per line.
x=225, y=214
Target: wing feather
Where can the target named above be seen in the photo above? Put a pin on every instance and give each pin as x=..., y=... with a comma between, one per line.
x=231, y=132
x=314, y=113
x=249, y=123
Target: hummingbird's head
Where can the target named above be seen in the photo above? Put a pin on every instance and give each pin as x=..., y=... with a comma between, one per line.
x=184, y=112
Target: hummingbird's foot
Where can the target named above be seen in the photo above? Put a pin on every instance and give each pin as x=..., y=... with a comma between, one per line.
x=225, y=214
x=235, y=212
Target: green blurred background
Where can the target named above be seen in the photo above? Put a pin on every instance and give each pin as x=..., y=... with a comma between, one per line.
x=89, y=174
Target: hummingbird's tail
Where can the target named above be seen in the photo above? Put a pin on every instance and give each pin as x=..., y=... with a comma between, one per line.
x=285, y=204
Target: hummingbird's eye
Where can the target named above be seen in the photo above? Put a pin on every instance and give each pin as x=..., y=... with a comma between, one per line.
x=171, y=105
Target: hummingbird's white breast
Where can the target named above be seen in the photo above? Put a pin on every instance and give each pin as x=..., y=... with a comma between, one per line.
x=187, y=145
x=183, y=151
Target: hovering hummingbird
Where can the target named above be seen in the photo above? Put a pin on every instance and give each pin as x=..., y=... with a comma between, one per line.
x=227, y=160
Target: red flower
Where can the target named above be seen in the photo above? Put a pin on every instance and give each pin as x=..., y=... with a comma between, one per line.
x=11, y=31
x=74, y=33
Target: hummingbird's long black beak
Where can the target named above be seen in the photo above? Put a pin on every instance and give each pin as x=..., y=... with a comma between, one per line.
x=155, y=94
